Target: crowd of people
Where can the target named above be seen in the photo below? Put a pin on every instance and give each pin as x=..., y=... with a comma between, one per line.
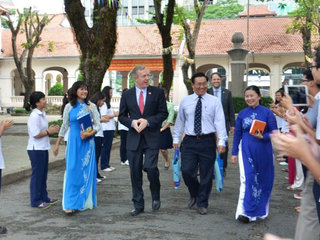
x=203, y=123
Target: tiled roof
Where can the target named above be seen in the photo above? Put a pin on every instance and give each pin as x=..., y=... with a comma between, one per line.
x=257, y=11
x=267, y=35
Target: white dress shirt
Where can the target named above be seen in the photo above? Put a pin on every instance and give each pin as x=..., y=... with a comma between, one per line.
x=212, y=118
x=37, y=123
x=144, y=92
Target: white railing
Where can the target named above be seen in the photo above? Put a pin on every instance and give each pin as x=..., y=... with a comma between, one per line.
x=17, y=101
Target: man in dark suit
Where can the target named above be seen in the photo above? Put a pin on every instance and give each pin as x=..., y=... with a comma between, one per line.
x=225, y=96
x=143, y=109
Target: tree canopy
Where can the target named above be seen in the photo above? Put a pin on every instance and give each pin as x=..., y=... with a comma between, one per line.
x=223, y=9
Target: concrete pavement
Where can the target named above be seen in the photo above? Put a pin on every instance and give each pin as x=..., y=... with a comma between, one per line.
x=14, y=144
x=111, y=218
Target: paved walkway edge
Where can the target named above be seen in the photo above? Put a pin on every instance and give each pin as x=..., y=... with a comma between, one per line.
x=19, y=174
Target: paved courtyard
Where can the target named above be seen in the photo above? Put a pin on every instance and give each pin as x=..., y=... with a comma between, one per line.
x=111, y=218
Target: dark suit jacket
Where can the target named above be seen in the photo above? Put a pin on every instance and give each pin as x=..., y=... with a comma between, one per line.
x=228, y=109
x=155, y=112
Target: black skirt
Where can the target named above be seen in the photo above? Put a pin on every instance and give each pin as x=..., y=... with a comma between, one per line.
x=166, y=139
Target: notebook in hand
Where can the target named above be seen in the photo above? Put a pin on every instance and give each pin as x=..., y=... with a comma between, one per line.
x=257, y=125
x=85, y=123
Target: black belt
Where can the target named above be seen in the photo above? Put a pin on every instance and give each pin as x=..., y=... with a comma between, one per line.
x=202, y=136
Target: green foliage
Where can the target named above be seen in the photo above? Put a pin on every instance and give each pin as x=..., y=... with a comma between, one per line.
x=51, y=46
x=4, y=23
x=59, y=123
x=223, y=9
x=20, y=111
x=56, y=90
x=239, y=103
x=80, y=77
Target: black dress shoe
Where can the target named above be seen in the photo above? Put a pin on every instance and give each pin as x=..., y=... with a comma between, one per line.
x=156, y=205
x=192, y=202
x=243, y=219
x=202, y=210
x=136, y=211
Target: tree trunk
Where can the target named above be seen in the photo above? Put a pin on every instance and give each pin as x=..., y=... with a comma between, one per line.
x=191, y=41
x=165, y=32
x=97, y=44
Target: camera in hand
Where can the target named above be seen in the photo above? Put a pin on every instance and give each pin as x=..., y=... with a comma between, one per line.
x=298, y=94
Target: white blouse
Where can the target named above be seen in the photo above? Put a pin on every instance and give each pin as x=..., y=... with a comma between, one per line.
x=105, y=111
x=37, y=123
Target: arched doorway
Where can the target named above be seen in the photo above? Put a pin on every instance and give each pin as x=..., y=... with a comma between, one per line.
x=58, y=74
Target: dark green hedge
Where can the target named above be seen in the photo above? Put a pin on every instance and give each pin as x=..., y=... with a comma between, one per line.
x=239, y=103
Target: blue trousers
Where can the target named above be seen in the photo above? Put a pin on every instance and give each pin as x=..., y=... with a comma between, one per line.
x=38, y=182
x=98, y=145
x=198, y=153
x=106, y=148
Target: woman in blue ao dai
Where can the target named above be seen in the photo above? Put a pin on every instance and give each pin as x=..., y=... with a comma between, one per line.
x=255, y=158
x=79, y=187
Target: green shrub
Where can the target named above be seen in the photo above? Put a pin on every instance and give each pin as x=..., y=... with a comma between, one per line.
x=239, y=103
x=20, y=111
x=59, y=123
x=56, y=90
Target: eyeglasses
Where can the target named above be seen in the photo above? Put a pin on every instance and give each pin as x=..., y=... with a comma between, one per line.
x=306, y=80
x=312, y=66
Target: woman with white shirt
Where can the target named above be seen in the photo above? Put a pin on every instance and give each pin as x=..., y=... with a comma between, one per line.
x=108, y=128
x=99, y=99
x=38, y=146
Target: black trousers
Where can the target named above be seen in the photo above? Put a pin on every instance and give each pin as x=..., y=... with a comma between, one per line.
x=198, y=153
x=150, y=166
x=123, y=145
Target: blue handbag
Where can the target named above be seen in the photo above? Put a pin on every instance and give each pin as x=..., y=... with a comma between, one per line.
x=176, y=169
x=218, y=172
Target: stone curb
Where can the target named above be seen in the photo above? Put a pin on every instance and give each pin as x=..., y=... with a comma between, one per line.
x=21, y=173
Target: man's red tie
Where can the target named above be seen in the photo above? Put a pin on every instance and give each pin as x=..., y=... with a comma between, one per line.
x=141, y=102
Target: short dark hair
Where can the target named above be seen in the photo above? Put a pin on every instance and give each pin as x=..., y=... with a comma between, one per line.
x=253, y=88
x=34, y=99
x=217, y=73
x=198, y=74
x=308, y=75
x=73, y=92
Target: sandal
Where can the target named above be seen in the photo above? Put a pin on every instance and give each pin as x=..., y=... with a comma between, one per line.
x=53, y=201
x=69, y=211
x=298, y=209
x=43, y=205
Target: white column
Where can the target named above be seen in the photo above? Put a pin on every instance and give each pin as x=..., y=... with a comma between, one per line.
x=39, y=83
x=146, y=8
x=71, y=80
x=275, y=76
x=179, y=88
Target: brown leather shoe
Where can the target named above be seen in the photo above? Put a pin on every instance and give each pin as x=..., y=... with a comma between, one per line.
x=202, y=210
x=192, y=202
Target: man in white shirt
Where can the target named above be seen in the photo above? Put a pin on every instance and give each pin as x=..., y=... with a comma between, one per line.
x=200, y=117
